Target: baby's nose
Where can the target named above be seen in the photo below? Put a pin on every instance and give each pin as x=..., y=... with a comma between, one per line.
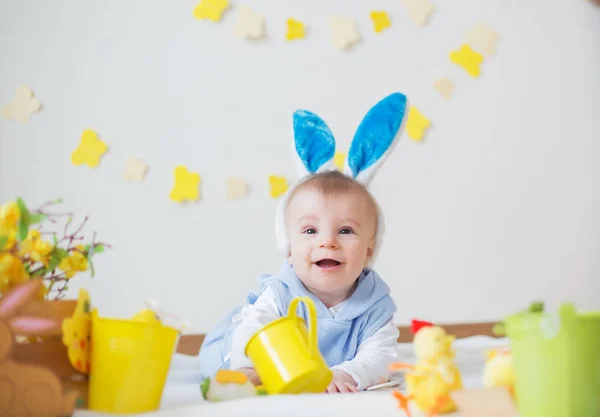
x=329, y=242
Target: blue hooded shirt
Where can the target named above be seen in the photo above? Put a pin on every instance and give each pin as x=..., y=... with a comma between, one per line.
x=367, y=310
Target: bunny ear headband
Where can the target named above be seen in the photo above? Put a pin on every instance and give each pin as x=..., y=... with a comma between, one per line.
x=314, y=150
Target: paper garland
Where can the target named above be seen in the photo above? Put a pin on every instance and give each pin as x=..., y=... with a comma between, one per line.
x=481, y=41
x=344, y=32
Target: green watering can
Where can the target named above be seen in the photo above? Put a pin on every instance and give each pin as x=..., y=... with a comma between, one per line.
x=556, y=358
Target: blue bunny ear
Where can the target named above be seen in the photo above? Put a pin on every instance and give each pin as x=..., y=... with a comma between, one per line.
x=314, y=144
x=375, y=138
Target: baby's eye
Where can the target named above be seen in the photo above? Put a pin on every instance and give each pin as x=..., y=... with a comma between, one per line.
x=310, y=230
x=346, y=231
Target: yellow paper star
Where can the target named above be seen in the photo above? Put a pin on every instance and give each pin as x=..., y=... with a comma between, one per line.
x=381, y=20
x=338, y=160
x=416, y=124
x=90, y=150
x=295, y=30
x=211, y=9
x=186, y=185
x=468, y=59
x=279, y=186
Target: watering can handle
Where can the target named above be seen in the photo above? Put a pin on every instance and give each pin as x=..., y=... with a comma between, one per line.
x=313, y=346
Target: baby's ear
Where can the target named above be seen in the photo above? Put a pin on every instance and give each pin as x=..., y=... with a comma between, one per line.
x=371, y=248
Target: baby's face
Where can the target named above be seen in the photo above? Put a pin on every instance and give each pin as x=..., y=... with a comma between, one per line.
x=331, y=240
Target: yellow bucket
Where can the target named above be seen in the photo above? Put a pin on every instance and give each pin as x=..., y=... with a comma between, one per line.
x=286, y=355
x=129, y=364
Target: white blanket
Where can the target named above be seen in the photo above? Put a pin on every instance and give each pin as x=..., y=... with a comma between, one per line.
x=182, y=397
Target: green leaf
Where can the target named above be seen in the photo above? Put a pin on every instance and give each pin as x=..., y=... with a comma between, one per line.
x=62, y=252
x=23, y=229
x=55, y=259
x=99, y=249
x=35, y=218
x=204, y=387
x=3, y=240
x=54, y=239
x=22, y=207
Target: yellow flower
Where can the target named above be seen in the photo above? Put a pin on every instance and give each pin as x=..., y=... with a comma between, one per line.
x=9, y=214
x=74, y=262
x=12, y=271
x=9, y=232
x=37, y=249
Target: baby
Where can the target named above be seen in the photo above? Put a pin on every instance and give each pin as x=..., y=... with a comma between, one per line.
x=331, y=227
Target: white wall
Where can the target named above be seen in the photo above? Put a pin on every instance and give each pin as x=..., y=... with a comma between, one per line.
x=499, y=206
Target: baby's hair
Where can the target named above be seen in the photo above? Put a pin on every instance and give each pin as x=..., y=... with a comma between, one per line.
x=332, y=184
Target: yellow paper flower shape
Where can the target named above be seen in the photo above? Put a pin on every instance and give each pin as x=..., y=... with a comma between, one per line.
x=237, y=188
x=279, y=186
x=338, y=160
x=90, y=150
x=23, y=105
x=77, y=334
x=295, y=30
x=381, y=20
x=468, y=59
x=416, y=124
x=186, y=185
x=211, y=9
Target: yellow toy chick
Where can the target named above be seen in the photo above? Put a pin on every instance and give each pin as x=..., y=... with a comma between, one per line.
x=431, y=380
x=499, y=370
x=77, y=334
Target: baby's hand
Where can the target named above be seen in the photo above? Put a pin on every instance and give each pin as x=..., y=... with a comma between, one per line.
x=252, y=375
x=342, y=382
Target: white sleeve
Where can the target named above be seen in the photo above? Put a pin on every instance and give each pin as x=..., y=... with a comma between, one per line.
x=251, y=318
x=374, y=355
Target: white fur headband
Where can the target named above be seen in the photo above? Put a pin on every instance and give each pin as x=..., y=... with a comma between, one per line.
x=314, y=150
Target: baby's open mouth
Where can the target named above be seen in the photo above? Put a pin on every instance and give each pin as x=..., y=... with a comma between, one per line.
x=327, y=263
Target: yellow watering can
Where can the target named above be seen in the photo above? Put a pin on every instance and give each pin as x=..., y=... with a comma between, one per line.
x=286, y=354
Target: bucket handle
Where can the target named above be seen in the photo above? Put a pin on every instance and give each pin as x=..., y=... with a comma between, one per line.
x=313, y=346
